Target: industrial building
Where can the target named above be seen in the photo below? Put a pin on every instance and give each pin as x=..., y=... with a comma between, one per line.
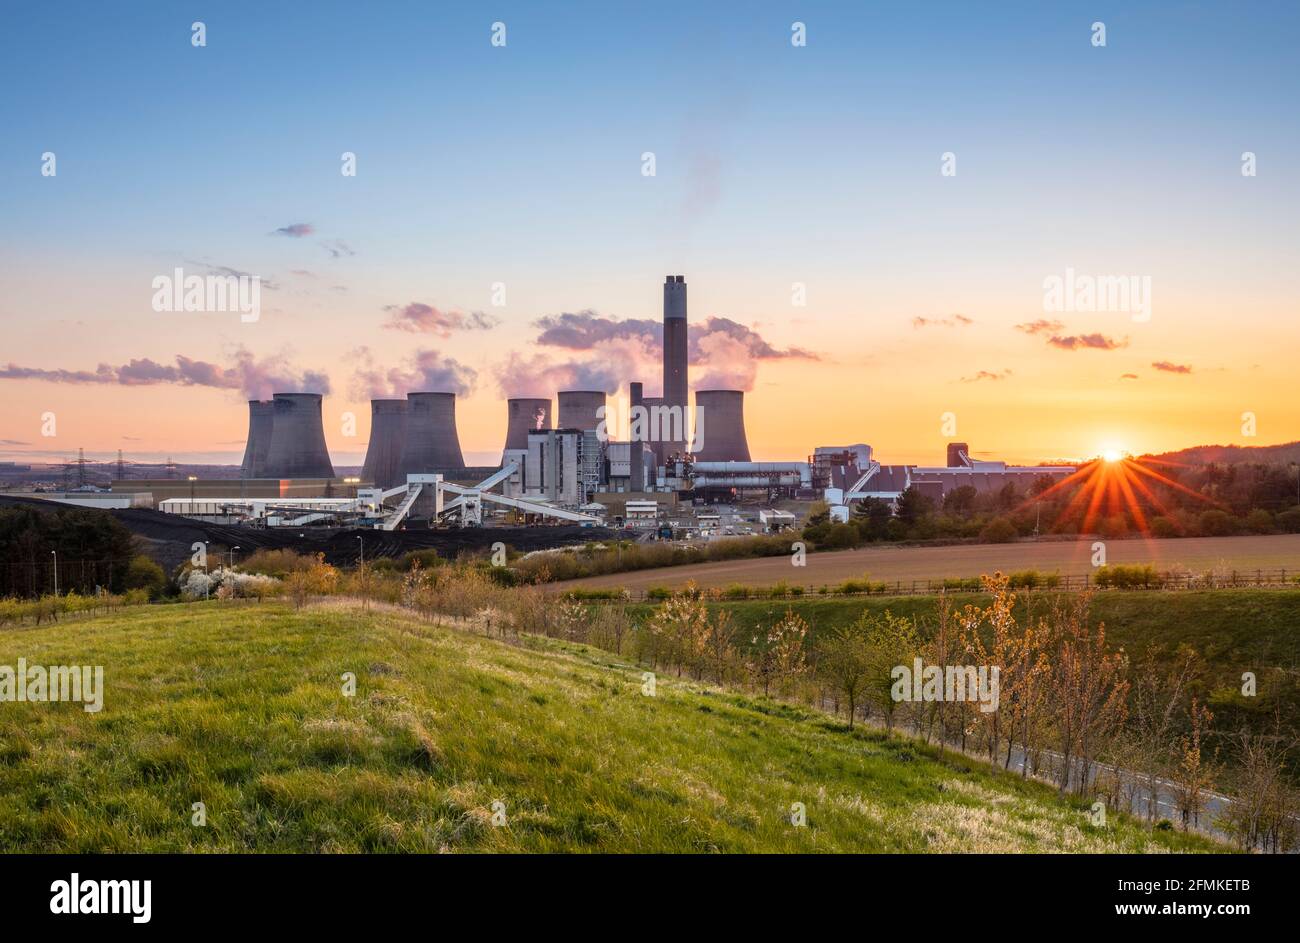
x=563, y=465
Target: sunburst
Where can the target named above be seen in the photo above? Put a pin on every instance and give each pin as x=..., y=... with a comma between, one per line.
x=1113, y=484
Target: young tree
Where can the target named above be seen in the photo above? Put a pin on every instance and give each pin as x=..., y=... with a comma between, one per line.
x=721, y=645
x=891, y=641
x=845, y=663
x=1089, y=690
x=1160, y=691
x=680, y=628
x=777, y=655
x=1194, y=775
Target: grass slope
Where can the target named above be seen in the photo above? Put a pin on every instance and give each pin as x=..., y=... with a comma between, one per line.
x=241, y=708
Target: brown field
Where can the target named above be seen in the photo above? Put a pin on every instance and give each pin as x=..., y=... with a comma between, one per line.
x=1196, y=554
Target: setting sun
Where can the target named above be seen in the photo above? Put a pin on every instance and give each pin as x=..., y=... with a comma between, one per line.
x=1112, y=454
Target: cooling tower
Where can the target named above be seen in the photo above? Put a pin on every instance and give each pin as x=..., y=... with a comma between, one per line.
x=431, y=443
x=720, y=424
x=675, y=349
x=387, y=436
x=298, y=438
x=261, y=421
x=955, y=452
x=578, y=409
x=523, y=415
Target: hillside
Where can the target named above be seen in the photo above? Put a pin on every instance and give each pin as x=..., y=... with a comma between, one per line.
x=240, y=707
x=1234, y=630
x=1233, y=454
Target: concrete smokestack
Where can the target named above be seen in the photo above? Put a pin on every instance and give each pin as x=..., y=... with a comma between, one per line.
x=721, y=418
x=955, y=451
x=675, y=391
x=298, y=438
x=523, y=415
x=578, y=409
x=387, y=438
x=261, y=424
x=431, y=441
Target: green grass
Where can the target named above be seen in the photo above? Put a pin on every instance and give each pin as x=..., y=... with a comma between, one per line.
x=241, y=708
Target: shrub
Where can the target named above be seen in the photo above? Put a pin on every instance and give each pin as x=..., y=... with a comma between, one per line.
x=1164, y=527
x=1129, y=576
x=1259, y=521
x=1217, y=523
x=1289, y=520
x=277, y=563
x=144, y=574
x=999, y=531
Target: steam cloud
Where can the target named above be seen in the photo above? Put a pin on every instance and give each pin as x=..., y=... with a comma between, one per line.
x=424, y=371
x=622, y=349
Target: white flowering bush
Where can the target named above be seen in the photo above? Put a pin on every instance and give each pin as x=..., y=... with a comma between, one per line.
x=227, y=584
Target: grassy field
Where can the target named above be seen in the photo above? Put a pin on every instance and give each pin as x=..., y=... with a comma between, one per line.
x=891, y=563
x=241, y=708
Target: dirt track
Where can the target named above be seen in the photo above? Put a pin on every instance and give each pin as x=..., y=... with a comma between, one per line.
x=1196, y=554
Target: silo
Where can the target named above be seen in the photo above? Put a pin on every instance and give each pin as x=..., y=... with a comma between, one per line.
x=298, y=438
x=261, y=422
x=578, y=409
x=523, y=415
x=387, y=436
x=431, y=443
x=720, y=426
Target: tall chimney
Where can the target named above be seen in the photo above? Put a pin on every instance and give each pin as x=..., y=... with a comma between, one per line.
x=298, y=438
x=955, y=452
x=261, y=422
x=387, y=436
x=675, y=354
x=720, y=420
x=431, y=444
x=578, y=409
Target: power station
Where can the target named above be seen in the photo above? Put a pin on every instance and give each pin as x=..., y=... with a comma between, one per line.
x=571, y=465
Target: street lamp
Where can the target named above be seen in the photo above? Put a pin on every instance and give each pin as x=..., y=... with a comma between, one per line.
x=192, y=479
x=232, y=557
x=55, y=555
x=361, y=540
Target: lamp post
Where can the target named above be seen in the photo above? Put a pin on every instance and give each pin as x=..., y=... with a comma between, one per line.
x=361, y=540
x=232, y=557
x=192, y=479
x=55, y=555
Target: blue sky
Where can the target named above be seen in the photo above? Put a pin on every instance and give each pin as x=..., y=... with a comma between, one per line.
x=478, y=164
